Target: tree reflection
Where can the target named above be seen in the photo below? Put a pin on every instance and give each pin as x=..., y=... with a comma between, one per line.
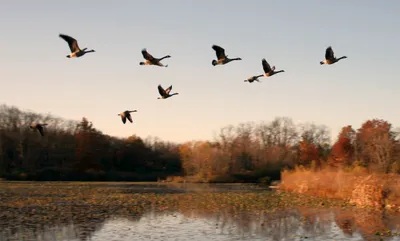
x=55, y=214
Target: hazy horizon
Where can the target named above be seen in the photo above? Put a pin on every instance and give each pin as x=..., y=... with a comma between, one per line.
x=293, y=36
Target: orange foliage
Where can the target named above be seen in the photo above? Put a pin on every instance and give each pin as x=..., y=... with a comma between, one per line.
x=198, y=157
x=308, y=151
x=343, y=149
x=377, y=144
x=372, y=128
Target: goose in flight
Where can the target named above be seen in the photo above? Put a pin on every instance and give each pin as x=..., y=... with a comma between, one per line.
x=150, y=60
x=73, y=46
x=330, y=57
x=39, y=127
x=165, y=93
x=268, y=70
x=253, y=78
x=221, y=57
x=126, y=115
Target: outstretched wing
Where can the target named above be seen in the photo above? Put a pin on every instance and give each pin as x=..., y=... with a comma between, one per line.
x=167, y=90
x=129, y=118
x=220, y=52
x=329, y=53
x=161, y=90
x=72, y=43
x=146, y=55
x=40, y=128
x=123, y=118
x=266, y=66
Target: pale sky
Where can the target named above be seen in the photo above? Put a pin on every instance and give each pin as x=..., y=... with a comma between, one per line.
x=292, y=35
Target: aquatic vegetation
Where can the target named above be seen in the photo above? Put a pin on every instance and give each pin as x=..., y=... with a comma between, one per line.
x=45, y=202
x=28, y=205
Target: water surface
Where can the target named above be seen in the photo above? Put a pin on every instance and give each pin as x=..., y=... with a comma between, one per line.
x=126, y=211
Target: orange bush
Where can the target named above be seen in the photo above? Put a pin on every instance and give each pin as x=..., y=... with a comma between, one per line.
x=357, y=185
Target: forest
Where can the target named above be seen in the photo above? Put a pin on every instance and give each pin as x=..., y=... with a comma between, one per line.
x=247, y=152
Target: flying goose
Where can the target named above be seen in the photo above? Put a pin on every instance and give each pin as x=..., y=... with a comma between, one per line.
x=221, y=57
x=39, y=127
x=150, y=60
x=253, y=78
x=73, y=46
x=330, y=57
x=165, y=93
x=268, y=70
x=126, y=115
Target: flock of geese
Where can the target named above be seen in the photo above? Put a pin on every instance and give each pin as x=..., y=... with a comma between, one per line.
x=222, y=59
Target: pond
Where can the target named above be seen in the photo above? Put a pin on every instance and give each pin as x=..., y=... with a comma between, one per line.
x=152, y=211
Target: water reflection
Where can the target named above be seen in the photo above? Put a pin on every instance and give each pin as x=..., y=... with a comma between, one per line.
x=80, y=212
x=191, y=224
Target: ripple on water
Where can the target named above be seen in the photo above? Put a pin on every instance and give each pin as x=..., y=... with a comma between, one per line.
x=176, y=226
x=189, y=212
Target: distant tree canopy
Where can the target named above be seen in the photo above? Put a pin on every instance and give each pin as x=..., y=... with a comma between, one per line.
x=73, y=150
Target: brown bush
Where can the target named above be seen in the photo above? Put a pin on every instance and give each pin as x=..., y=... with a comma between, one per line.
x=356, y=185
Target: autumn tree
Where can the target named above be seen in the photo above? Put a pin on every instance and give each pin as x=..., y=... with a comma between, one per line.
x=246, y=151
x=314, y=143
x=186, y=155
x=226, y=140
x=376, y=144
x=343, y=149
x=199, y=158
x=307, y=152
x=276, y=140
x=243, y=151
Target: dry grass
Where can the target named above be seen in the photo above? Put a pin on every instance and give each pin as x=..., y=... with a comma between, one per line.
x=175, y=179
x=196, y=179
x=356, y=185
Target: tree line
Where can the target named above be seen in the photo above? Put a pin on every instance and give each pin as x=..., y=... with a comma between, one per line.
x=247, y=152
x=76, y=150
